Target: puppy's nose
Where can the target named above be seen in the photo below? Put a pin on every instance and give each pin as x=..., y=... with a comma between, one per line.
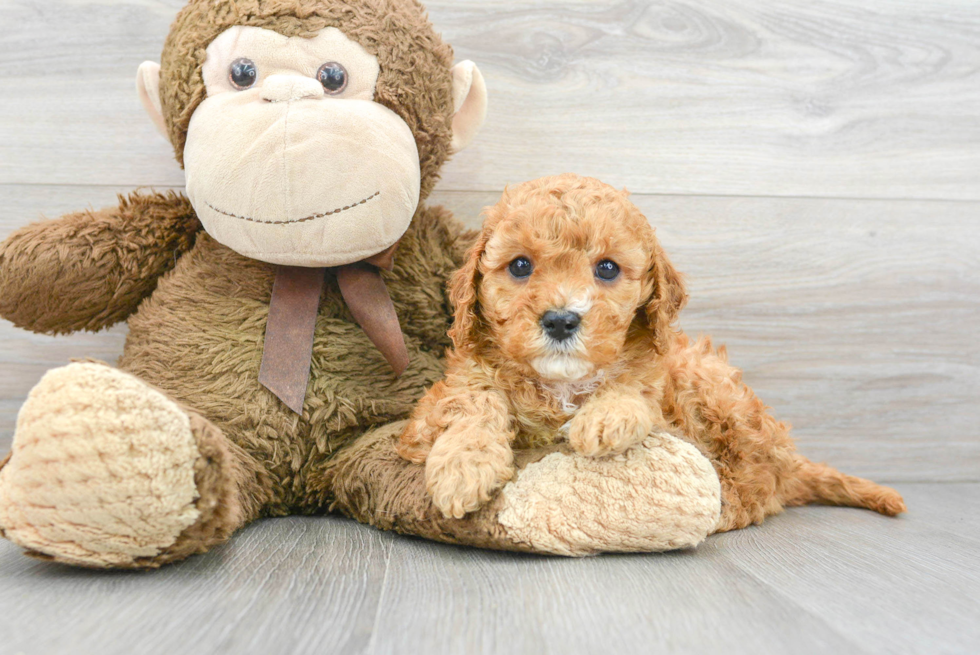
x=560, y=325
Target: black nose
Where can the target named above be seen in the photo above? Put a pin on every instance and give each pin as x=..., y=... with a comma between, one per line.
x=560, y=325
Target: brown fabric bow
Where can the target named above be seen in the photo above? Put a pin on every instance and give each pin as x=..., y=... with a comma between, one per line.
x=288, y=349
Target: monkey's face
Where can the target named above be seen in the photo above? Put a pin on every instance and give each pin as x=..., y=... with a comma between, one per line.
x=290, y=157
x=289, y=160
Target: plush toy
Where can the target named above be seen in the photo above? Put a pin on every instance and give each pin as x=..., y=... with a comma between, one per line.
x=286, y=313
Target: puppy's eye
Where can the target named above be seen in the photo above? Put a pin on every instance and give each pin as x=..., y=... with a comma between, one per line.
x=333, y=77
x=242, y=73
x=521, y=267
x=607, y=270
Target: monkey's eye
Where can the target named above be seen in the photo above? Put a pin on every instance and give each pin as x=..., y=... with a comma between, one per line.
x=333, y=77
x=607, y=270
x=521, y=268
x=243, y=73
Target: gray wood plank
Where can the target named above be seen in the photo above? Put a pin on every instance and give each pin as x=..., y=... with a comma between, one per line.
x=70, y=112
x=797, y=97
x=296, y=586
x=901, y=585
x=852, y=319
x=452, y=600
x=949, y=508
x=813, y=580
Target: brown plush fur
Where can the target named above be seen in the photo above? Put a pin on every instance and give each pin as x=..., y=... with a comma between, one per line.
x=199, y=339
x=232, y=490
x=3, y=463
x=372, y=484
x=92, y=269
x=197, y=310
x=507, y=382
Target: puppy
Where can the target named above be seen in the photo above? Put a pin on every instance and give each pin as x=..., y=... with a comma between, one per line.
x=563, y=328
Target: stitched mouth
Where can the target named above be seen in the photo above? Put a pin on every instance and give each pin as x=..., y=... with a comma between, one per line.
x=332, y=212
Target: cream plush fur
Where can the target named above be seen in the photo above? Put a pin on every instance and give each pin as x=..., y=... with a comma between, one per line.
x=103, y=476
x=340, y=178
x=318, y=145
x=660, y=495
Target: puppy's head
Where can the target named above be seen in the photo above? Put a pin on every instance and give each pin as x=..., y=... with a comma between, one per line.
x=565, y=272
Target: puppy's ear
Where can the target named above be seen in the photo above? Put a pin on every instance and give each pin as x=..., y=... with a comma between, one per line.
x=667, y=298
x=463, y=288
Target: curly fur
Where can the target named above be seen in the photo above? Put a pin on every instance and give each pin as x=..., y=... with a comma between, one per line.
x=626, y=372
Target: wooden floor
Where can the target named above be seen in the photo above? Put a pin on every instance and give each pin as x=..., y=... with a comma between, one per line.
x=813, y=166
x=814, y=580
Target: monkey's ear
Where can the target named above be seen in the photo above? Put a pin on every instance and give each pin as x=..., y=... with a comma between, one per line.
x=148, y=88
x=470, y=103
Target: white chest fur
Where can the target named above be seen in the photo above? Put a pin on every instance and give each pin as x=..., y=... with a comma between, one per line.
x=571, y=394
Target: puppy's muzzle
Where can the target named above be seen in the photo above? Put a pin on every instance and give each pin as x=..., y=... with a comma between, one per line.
x=560, y=326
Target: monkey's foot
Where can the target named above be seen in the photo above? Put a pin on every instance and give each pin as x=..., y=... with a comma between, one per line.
x=102, y=471
x=661, y=494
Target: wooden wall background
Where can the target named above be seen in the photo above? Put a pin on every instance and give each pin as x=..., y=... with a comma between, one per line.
x=812, y=166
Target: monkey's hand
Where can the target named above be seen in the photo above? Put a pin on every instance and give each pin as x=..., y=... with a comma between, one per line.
x=92, y=269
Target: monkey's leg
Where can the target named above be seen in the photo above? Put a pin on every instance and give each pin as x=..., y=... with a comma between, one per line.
x=107, y=472
x=660, y=495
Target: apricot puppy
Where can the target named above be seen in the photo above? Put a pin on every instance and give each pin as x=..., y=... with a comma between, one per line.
x=563, y=329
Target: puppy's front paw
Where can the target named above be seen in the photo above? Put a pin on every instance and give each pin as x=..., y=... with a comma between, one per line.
x=461, y=481
x=610, y=427
x=416, y=441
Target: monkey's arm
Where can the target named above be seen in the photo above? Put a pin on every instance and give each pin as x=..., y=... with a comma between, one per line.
x=89, y=270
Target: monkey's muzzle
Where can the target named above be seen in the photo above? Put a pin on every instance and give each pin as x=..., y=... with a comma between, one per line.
x=309, y=182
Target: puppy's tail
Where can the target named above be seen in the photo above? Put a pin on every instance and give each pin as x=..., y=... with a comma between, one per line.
x=819, y=483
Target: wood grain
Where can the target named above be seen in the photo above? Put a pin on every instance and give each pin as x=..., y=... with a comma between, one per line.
x=281, y=586
x=814, y=580
x=491, y=603
x=891, y=569
x=852, y=319
x=788, y=98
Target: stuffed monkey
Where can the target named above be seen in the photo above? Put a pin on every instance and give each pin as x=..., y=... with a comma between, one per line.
x=285, y=313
